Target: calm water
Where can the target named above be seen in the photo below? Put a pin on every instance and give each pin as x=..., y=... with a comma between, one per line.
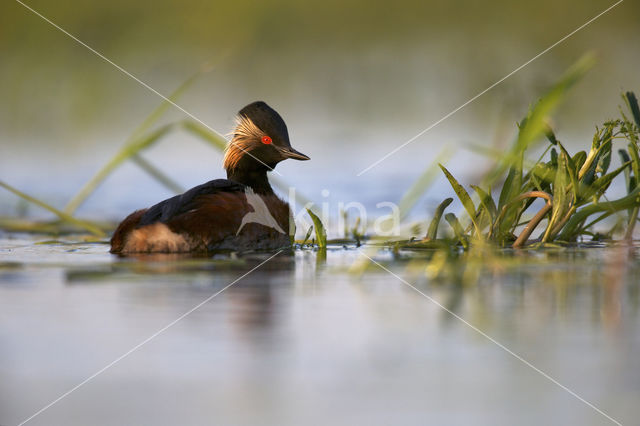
x=302, y=341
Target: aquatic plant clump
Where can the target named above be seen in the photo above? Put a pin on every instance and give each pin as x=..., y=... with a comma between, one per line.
x=573, y=187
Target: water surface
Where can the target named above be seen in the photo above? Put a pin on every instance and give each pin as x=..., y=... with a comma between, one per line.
x=301, y=340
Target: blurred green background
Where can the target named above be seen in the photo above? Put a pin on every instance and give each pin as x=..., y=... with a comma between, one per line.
x=352, y=79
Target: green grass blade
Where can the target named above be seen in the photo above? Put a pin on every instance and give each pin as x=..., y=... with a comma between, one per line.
x=560, y=198
x=159, y=111
x=535, y=125
x=308, y=234
x=214, y=139
x=629, y=180
x=422, y=184
x=511, y=188
x=632, y=103
x=486, y=201
x=628, y=202
x=551, y=136
x=464, y=197
x=635, y=161
x=600, y=185
x=584, y=229
x=571, y=170
x=432, y=232
x=506, y=190
x=487, y=210
x=157, y=174
x=544, y=174
x=578, y=159
x=131, y=142
x=605, y=151
x=62, y=215
x=536, y=121
x=457, y=229
x=124, y=154
x=321, y=233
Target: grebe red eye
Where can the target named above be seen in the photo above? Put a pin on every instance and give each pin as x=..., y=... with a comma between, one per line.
x=266, y=140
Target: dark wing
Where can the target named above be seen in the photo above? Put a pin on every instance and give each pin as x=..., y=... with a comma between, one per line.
x=165, y=210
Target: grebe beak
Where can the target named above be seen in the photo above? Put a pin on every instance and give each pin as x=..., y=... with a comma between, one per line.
x=292, y=153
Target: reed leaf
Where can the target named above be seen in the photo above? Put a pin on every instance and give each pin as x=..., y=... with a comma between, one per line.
x=213, y=138
x=159, y=111
x=83, y=224
x=158, y=174
x=124, y=154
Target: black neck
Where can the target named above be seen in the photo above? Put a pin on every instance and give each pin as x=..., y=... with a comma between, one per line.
x=254, y=177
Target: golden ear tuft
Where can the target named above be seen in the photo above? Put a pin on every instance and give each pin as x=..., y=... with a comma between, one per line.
x=245, y=135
